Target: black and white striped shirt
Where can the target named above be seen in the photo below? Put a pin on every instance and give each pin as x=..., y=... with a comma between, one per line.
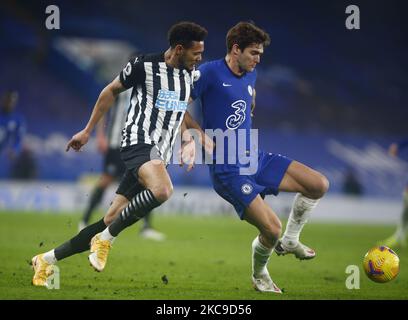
x=158, y=102
x=117, y=118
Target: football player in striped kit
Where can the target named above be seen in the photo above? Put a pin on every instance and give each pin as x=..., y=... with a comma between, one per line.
x=108, y=137
x=161, y=86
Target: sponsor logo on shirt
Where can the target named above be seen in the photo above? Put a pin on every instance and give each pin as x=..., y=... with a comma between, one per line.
x=238, y=117
x=170, y=101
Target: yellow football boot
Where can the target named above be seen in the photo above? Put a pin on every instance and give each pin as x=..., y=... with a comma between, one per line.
x=42, y=270
x=99, y=252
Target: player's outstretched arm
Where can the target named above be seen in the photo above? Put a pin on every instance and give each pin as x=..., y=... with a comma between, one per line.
x=101, y=138
x=105, y=100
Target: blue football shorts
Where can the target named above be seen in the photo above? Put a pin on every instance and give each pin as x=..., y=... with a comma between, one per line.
x=241, y=190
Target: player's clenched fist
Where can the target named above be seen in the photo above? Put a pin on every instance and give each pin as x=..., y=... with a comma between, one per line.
x=78, y=140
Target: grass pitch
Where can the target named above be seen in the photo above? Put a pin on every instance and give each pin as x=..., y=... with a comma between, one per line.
x=202, y=258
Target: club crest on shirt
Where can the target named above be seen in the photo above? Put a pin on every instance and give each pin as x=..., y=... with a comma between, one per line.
x=246, y=188
x=196, y=75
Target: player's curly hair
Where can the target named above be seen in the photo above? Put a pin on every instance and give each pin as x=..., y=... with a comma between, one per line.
x=244, y=34
x=185, y=33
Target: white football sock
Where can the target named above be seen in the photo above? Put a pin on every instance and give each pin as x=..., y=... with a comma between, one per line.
x=105, y=235
x=260, y=257
x=49, y=257
x=301, y=209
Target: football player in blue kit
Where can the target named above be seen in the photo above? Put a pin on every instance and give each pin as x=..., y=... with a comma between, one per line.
x=226, y=88
x=12, y=126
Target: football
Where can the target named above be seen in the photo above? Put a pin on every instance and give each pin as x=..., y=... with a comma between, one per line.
x=381, y=264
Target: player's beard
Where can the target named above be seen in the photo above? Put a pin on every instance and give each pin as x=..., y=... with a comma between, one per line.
x=183, y=63
x=243, y=66
x=242, y=69
x=186, y=66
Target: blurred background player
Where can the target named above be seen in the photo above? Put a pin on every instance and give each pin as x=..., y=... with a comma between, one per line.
x=108, y=142
x=351, y=183
x=12, y=126
x=21, y=161
x=399, y=238
x=226, y=88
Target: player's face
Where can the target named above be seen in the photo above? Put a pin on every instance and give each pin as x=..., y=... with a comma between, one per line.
x=192, y=56
x=250, y=57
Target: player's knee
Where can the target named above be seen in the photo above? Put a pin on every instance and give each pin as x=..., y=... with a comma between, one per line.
x=272, y=232
x=163, y=193
x=324, y=185
x=105, y=182
x=320, y=187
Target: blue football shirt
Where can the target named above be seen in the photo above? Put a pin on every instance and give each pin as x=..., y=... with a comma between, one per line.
x=226, y=104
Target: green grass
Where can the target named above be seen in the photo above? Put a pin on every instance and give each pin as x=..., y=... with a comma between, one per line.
x=203, y=258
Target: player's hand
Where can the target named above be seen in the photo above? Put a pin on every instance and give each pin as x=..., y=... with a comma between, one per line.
x=208, y=144
x=187, y=154
x=78, y=141
x=393, y=150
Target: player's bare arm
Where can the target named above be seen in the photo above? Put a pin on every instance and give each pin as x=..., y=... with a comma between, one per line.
x=105, y=101
x=187, y=152
x=101, y=139
x=205, y=140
